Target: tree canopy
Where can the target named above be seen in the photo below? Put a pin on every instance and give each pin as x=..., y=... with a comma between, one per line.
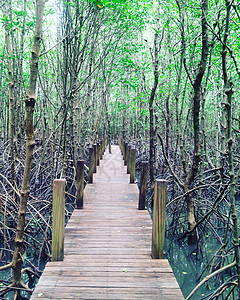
x=163, y=75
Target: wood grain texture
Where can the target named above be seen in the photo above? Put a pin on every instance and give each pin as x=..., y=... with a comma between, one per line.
x=58, y=219
x=143, y=185
x=159, y=216
x=91, y=165
x=108, y=246
x=132, y=163
x=80, y=183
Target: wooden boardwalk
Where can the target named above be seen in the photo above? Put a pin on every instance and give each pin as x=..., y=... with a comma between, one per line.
x=108, y=245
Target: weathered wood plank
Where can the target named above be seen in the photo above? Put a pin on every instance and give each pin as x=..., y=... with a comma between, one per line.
x=109, y=293
x=108, y=246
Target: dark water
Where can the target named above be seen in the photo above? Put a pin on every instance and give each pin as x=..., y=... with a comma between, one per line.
x=186, y=267
x=188, y=264
x=6, y=276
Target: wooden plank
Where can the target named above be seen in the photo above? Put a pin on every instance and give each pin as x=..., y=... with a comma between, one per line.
x=108, y=246
x=108, y=293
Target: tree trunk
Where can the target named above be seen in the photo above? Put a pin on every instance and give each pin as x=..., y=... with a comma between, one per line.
x=228, y=91
x=197, y=88
x=11, y=100
x=30, y=142
x=152, y=96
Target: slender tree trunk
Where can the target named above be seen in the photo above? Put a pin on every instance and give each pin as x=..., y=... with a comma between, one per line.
x=152, y=96
x=19, y=104
x=30, y=101
x=228, y=91
x=197, y=88
x=11, y=100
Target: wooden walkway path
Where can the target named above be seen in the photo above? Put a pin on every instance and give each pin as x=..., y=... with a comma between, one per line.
x=108, y=245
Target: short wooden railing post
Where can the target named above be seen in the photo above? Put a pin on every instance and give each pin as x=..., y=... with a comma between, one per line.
x=95, y=158
x=125, y=153
x=128, y=158
x=80, y=183
x=120, y=144
x=132, y=166
x=123, y=149
x=106, y=143
x=58, y=221
x=98, y=154
x=91, y=165
x=159, y=215
x=143, y=185
x=101, y=149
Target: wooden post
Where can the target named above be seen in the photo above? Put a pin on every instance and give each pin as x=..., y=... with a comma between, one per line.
x=159, y=215
x=132, y=164
x=101, y=149
x=123, y=149
x=120, y=144
x=125, y=153
x=143, y=185
x=95, y=158
x=91, y=165
x=128, y=159
x=58, y=221
x=105, y=144
x=80, y=183
x=98, y=154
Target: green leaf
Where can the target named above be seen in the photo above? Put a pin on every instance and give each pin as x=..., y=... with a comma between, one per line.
x=30, y=24
x=157, y=31
x=20, y=13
